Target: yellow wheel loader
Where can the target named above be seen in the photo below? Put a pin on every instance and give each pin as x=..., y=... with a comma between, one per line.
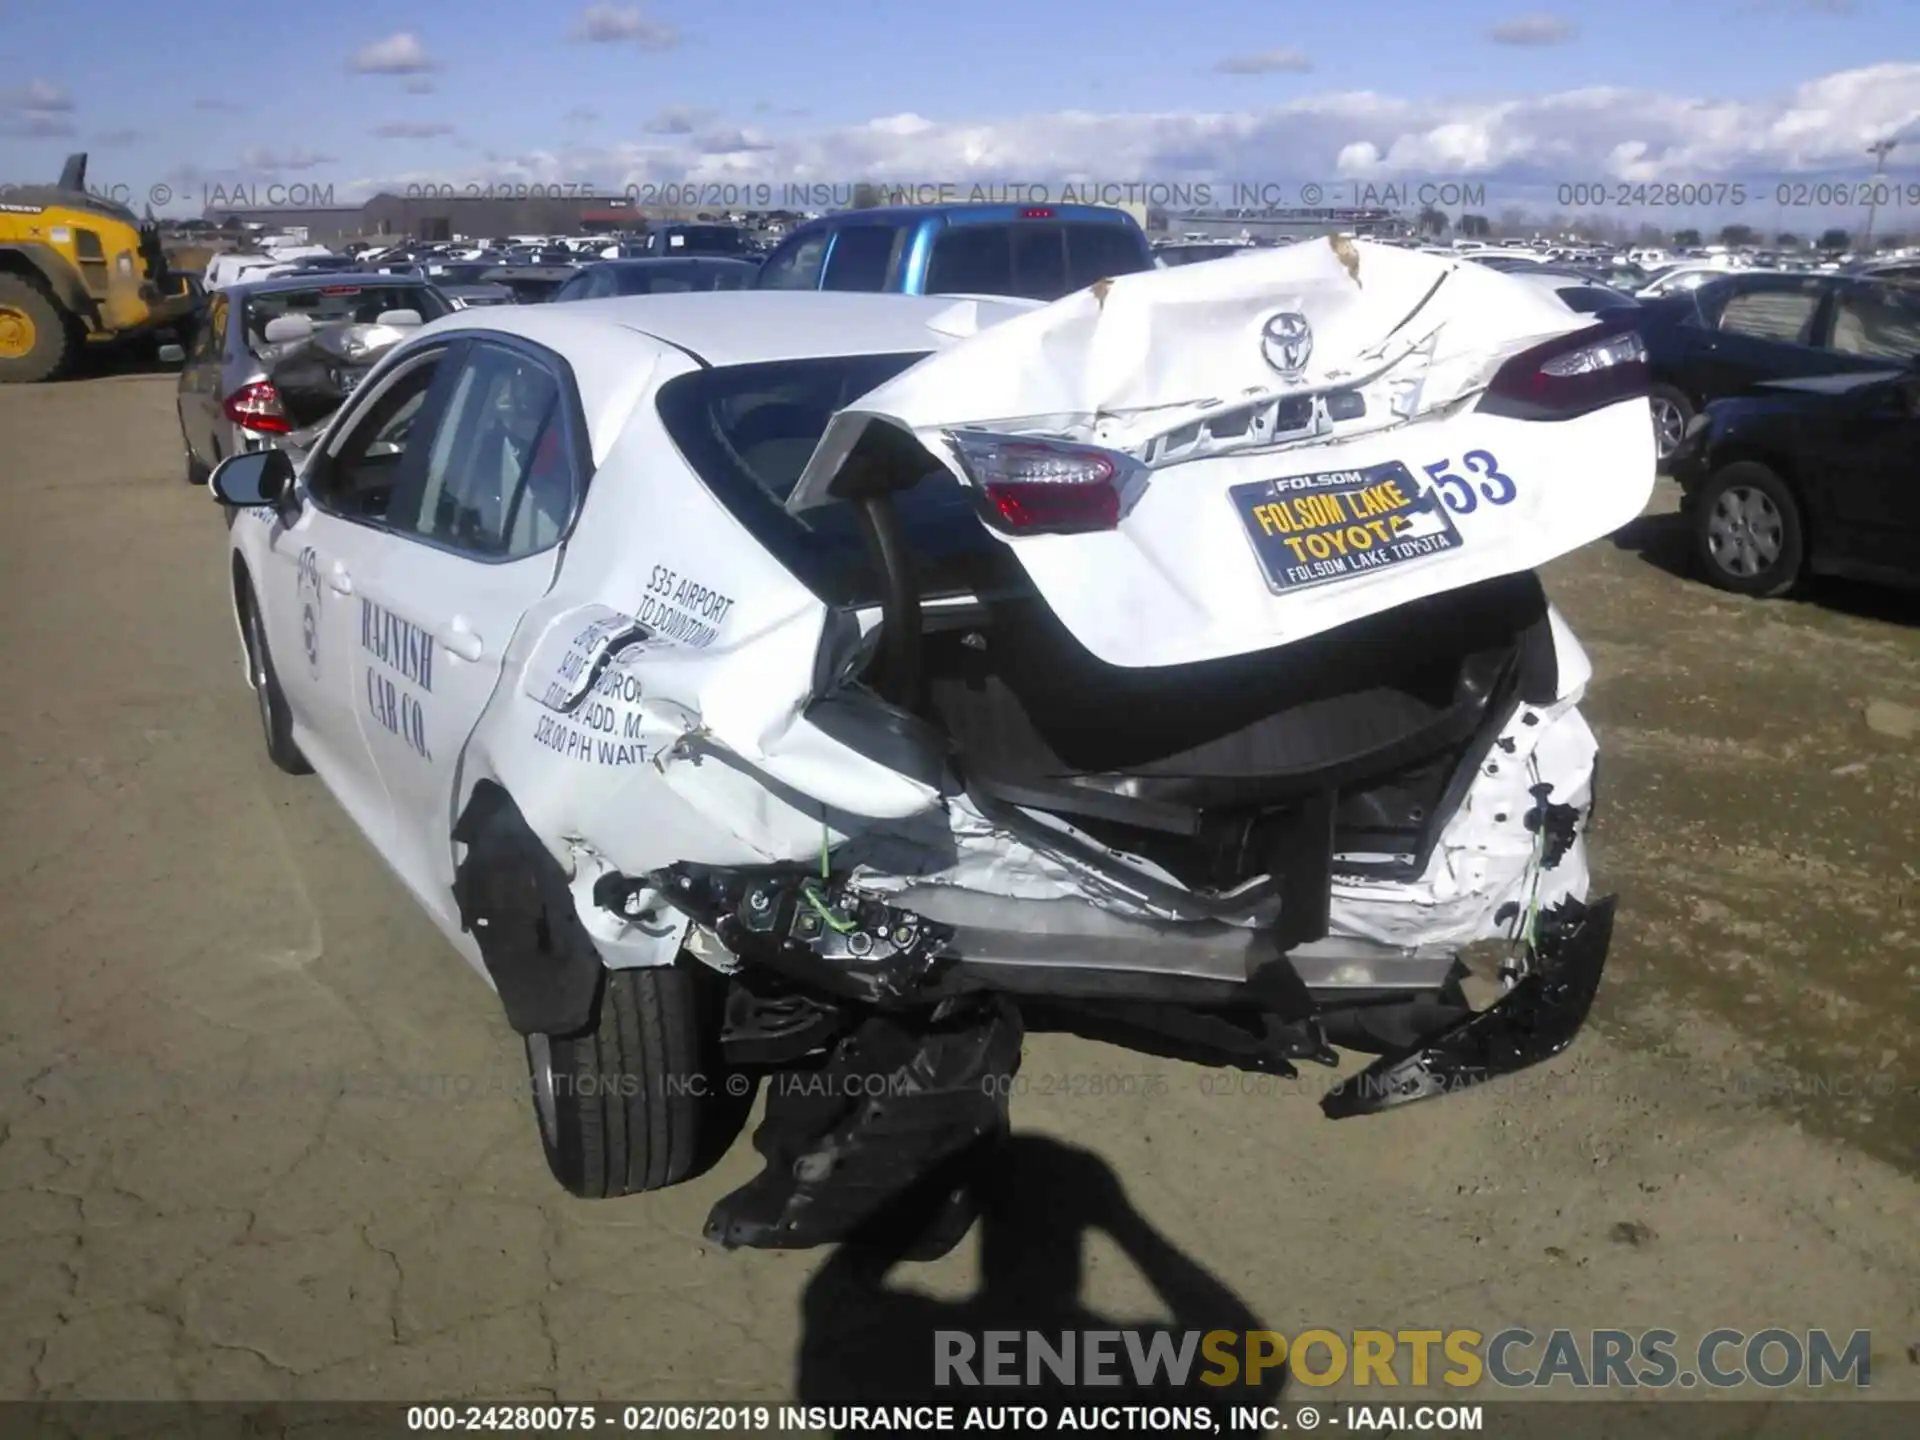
x=78, y=271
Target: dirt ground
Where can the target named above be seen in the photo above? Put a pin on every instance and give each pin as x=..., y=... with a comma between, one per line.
x=265, y=1136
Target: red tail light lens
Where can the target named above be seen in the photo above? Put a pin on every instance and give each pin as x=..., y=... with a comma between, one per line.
x=1044, y=487
x=1572, y=375
x=1036, y=213
x=256, y=407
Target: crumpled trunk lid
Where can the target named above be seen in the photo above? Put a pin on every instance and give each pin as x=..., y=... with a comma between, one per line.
x=1300, y=434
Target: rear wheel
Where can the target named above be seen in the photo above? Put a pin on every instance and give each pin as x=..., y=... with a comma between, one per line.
x=1748, y=532
x=640, y=1101
x=36, y=337
x=276, y=720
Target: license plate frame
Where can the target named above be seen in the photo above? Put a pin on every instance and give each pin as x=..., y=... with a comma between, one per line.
x=1331, y=525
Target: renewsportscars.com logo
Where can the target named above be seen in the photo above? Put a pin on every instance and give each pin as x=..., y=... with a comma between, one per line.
x=1514, y=1358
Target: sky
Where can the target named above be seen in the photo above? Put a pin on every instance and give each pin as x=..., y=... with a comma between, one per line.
x=1775, y=97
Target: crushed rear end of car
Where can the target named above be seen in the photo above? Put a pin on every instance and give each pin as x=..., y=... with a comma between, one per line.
x=1230, y=720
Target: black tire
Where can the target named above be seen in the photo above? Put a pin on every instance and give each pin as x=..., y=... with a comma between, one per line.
x=276, y=720
x=54, y=342
x=1748, y=532
x=641, y=1100
x=1671, y=411
x=196, y=472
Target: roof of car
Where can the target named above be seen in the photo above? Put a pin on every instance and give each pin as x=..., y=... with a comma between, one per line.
x=647, y=262
x=738, y=327
x=971, y=212
x=319, y=279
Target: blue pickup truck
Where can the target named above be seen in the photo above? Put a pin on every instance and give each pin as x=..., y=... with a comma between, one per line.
x=1038, y=252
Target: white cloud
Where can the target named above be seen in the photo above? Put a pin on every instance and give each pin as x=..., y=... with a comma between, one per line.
x=40, y=97
x=35, y=125
x=38, y=110
x=1521, y=149
x=401, y=54
x=275, y=161
x=678, y=120
x=412, y=129
x=1266, y=62
x=1535, y=29
x=608, y=24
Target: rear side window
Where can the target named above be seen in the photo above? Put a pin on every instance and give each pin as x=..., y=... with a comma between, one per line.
x=863, y=258
x=499, y=476
x=795, y=265
x=1881, y=324
x=1771, y=314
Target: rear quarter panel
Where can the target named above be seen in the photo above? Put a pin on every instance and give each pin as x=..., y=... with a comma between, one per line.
x=597, y=738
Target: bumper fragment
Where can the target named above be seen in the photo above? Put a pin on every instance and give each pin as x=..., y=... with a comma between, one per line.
x=1534, y=1021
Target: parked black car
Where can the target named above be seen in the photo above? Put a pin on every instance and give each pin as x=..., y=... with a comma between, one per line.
x=607, y=278
x=1819, y=474
x=1730, y=334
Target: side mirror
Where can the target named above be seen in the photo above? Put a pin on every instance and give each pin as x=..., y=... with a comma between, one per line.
x=285, y=329
x=172, y=355
x=259, y=477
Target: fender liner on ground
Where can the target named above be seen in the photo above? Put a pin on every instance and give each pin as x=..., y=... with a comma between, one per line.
x=515, y=901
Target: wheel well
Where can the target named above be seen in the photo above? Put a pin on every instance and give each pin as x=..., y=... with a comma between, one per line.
x=543, y=963
x=242, y=584
x=1665, y=381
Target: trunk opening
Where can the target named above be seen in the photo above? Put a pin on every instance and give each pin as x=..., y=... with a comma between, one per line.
x=1250, y=779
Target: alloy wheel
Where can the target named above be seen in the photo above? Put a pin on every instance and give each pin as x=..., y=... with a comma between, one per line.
x=1745, y=532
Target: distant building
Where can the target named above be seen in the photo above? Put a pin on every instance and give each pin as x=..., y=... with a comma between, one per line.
x=441, y=217
x=1298, y=223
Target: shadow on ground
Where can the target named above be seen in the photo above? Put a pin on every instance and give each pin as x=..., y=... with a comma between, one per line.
x=869, y=1341
x=1666, y=542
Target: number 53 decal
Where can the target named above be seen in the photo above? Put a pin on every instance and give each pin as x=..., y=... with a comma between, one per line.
x=1458, y=490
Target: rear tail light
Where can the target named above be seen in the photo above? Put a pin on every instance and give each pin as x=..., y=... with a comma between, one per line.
x=1036, y=213
x=1573, y=374
x=1047, y=487
x=256, y=407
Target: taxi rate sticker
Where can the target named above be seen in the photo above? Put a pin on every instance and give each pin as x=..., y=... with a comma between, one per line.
x=1310, y=529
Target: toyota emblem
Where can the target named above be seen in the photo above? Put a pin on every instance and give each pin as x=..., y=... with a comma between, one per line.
x=1287, y=342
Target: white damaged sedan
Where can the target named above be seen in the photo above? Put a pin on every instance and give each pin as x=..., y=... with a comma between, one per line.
x=829, y=686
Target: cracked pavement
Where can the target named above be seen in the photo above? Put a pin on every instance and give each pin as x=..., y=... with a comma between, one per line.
x=265, y=1136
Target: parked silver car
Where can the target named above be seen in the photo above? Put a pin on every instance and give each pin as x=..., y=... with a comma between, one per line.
x=227, y=404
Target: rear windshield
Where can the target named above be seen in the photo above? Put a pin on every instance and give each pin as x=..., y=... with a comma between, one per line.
x=467, y=274
x=748, y=432
x=703, y=240
x=653, y=278
x=330, y=304
x=1592, y=299
x=1033, y=259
